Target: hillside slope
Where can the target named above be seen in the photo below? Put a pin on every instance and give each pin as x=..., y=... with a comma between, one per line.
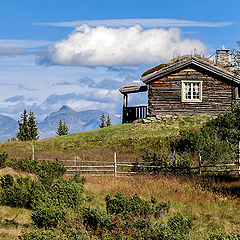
x=124, y=137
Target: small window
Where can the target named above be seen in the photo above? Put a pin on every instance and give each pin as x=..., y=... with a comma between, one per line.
x=191, y=91
x=238, y=93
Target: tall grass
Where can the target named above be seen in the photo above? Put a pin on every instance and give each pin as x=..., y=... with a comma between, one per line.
x=210, y=212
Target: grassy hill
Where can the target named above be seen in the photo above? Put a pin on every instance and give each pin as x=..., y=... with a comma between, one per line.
x=126, y=139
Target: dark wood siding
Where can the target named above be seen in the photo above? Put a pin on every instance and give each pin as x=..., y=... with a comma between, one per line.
x=164, y=95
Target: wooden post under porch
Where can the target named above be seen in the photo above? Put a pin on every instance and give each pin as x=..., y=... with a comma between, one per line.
x=134, y=112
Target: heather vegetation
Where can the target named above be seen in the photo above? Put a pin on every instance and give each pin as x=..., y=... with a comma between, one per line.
x=152, y=207
x=159, y=206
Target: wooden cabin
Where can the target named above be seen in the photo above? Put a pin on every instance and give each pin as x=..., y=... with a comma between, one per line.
x=186, y=86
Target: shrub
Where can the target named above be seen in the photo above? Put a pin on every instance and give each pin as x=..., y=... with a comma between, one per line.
x=135, y=206
x=3, y=159
x=47, y=214
x=67, y=193
x=26, y=164
x=49, y=171
x=16, y=193
x=95, y=219
x=153, y=157
x=178, y=227
x=123, y=204
x=221, y=236
x=41, y=234
x=6, y=181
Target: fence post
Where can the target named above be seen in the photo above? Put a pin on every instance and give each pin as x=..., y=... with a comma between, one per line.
x=200, y=163
x=115, y=164
x=174, y=161
x=33, y=152
x=75, y=164
x=239, y=157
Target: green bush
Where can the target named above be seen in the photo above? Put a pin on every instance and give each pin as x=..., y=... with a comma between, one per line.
x=49, y=171
x=67, y=193
x=95, y=219
x=47, y=214
x=178, y=227
x=16, y=193
x=26, y=164
x=221, y=236
x=3, y=159
x=123, y=204
x=6, y=181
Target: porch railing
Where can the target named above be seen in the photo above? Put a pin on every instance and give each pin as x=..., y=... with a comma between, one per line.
x=132, y=113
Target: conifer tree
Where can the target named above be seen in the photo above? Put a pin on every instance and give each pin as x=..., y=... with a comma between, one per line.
x=32, y=127
x=23, y=133
x=102, y=121
x=62, y=129
x=108, y=123
x=27, y=127
x=65, y=129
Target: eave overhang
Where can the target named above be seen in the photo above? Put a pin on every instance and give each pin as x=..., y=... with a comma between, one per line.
x=191, y=62
x=133, y=89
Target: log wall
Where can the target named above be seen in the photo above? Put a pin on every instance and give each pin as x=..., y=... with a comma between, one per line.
x=164, y=95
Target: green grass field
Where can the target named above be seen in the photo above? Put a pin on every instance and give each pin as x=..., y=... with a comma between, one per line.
x=126, y=139
x=210, y=211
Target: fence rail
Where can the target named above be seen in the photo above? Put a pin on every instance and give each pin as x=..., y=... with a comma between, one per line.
x=119, y=169
x=112, y=167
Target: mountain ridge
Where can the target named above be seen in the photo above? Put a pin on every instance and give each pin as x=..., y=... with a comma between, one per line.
x=75, y=121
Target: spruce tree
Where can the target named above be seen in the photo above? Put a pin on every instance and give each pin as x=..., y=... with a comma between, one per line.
x=62, y=129
x=32, y=127
x=108, y=123
x=23, y=133
x=65, y=129
x=27, y=127
x=102, y=121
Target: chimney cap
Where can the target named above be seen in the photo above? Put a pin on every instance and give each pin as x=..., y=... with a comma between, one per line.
x=223, y=50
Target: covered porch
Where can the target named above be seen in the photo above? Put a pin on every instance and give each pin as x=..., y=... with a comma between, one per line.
x=134, y=112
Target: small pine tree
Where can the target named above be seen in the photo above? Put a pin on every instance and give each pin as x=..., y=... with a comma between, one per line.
x=27, y=127
x=102, y=121
x=65, y=129
x=62, y=129
x=108, y=123
x=23, y=133
x=32, y=127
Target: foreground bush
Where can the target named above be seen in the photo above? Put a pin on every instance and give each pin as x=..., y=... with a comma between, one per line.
x=3, y=159
x=17, y=193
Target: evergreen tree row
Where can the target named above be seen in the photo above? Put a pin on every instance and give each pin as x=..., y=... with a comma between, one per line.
x=62, y=129
x=104, y=122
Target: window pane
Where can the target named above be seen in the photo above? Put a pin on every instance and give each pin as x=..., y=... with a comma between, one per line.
x=191, y=91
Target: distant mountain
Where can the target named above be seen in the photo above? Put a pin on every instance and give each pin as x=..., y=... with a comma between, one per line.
x=8, y=127
x=75, y=121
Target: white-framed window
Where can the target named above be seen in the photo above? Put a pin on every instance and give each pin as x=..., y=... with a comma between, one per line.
x=191, y=91
x=237, y=93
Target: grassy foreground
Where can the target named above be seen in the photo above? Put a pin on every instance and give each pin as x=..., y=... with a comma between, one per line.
x=210, y=212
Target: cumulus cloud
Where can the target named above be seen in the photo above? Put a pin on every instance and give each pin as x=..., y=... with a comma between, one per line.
x=89, y=46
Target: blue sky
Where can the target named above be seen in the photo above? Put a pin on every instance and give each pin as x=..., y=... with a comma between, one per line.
x=80, y=52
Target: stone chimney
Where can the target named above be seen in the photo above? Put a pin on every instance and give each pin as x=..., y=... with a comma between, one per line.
x=222, y=56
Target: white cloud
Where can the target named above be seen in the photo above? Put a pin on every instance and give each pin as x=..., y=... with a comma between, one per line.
x=147, y=23
x=23, y=43
x=88, y=46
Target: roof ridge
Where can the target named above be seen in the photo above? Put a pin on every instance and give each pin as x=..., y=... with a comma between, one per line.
x=191, y=60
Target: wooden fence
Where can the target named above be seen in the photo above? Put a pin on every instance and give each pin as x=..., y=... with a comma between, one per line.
x=119, y=169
